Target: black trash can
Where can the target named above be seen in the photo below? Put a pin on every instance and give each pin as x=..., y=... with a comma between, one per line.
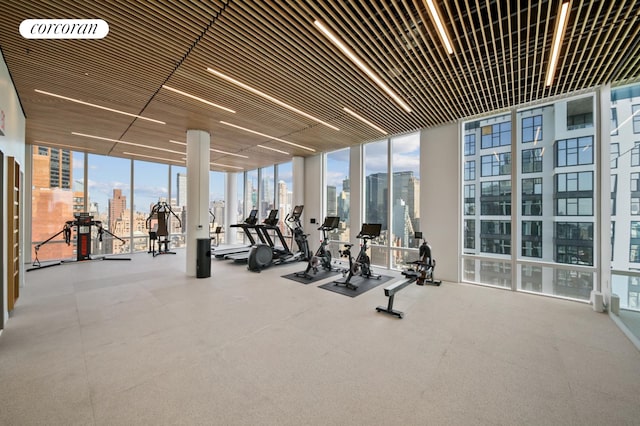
x=203, y=258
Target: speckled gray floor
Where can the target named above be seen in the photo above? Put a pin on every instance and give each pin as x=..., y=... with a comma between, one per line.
x=138, y=343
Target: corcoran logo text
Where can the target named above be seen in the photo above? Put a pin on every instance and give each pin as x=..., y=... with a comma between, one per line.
x=64, y=28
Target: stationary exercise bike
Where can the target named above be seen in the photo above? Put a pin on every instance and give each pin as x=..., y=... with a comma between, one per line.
x=323, y=255
x=422, y=271
x=361, y=265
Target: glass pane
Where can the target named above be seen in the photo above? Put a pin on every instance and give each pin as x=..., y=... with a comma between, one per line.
x=625, y=199
x=110, y=201
x=405, y=216
x=376, y=190
x=57, y=194
x=490, y=272
x=486, y=221
x=402, y=258
x=251, y=198
x=284, y=195
x=178, y=203
x=338, y=190
x=150, y=186
x=267, y=191
x=240, y=213
x=556, y=281
x=216, y=205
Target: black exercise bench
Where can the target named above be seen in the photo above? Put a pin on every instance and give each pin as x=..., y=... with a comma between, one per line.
x=390, y=291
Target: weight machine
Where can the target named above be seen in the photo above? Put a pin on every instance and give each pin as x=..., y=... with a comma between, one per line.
x=82, y=223
x=161, y=212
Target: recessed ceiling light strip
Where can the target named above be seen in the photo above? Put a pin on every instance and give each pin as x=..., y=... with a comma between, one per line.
x=58, y=145
x=364, y=120
x=368, y=71
x=126, y=143
x=561, y=26
x=271, y=98
x=439, y=25
x=154, y=158
x=268, y=136
x=214, y=150
x=273, y=149
x=98, y=106
x=188, y=95
x=226, y=165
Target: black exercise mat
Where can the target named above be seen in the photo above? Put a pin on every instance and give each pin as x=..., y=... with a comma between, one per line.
x=364, y=285
x=321, y=275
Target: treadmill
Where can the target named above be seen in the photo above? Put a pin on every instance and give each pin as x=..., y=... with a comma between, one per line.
x=248, y=223
x=265, y=238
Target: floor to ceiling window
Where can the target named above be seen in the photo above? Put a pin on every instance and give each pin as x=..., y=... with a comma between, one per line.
x=151, y=185
x=376, y=197
x=57, y=194
x=284, y=193
x=267, y=191
x=250, y=196
x=109, y=193
x=216, y=205
x=625, y=199
x=337, y=193
x=178, y=203
x=405, y=196
x=537, y=219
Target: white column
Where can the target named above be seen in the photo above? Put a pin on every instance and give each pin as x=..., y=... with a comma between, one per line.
x=230, y=207
x=356, y=192
x=297, y=166
x=198, y=142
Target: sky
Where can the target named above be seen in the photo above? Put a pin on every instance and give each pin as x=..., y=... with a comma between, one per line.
x=151, y=182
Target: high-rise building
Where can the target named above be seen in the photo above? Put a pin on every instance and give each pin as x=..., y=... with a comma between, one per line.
x=376, y=201
x=332, y=201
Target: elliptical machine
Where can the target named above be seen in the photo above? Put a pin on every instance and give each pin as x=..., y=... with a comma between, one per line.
x=322, y=256
x=361, y=265
x=263, y=255
x=424, y=266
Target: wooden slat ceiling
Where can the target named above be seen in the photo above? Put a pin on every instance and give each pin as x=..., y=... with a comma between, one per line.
x=501, y=53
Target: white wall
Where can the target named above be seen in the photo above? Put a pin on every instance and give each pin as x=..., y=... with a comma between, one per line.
x=439, y=200
x=12, y=144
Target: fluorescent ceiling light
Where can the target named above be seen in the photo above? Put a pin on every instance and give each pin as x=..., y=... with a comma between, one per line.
x=214, y=150
x=354, y=58
x=98, y=106
x=164, y=86
x=273, y=149
x=271, y=98
x=154, y=158
x=58, y=145
x=364, y=120
x=557, y=40
x=438, y=21
x=226, y=165
x=126, y=143
x=267, y=136
x=228, y=153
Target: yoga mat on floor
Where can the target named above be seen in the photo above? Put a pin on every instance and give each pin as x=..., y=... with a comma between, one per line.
x=321, y=275
x=364, y=285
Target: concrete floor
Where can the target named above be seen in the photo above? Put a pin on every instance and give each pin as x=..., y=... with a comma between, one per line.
x=124, y=343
